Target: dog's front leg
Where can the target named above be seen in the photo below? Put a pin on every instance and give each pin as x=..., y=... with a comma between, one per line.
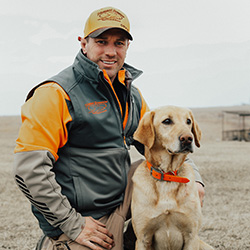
x=144, y=243
x=191, y=242
x=205, y=246
x=145, y=239
x=144, y=233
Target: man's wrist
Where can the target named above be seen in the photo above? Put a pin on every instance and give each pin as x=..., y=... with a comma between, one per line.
x=73, y=226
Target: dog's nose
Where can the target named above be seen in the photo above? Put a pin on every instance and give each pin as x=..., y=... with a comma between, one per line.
x=186, y=139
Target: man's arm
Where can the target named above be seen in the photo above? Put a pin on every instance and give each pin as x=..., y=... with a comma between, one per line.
x=198, y=179
x=196, y=171
x=35, y=179
x=43, y=132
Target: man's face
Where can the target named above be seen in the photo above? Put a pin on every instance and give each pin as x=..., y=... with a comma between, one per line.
x=108, y=50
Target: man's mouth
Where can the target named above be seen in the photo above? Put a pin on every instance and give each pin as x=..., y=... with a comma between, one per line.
x=109, y=62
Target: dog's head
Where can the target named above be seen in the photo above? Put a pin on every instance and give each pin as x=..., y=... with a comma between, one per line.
x=170, y=127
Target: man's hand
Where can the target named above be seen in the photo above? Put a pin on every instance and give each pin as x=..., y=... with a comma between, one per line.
x=201, y=192
x=95, y=232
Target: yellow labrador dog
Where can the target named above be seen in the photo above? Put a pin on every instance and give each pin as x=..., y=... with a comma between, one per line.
x=166, y=210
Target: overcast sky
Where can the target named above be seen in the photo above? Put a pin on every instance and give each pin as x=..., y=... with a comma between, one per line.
x=39, y=38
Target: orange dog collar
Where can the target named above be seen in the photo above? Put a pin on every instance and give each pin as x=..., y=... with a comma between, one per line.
x=169, y=176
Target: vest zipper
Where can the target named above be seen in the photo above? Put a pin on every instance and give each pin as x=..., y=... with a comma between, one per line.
x=129, y=122
x=118, y=114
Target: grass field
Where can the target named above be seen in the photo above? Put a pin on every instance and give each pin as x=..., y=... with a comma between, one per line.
x=224, y=166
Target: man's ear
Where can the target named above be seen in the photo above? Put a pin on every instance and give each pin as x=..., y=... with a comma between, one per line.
x=83, y=44
x=145, y=132
x=128, y=43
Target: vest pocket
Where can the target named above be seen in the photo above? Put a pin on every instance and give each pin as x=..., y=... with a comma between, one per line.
x=78, y=194
x=99, y=179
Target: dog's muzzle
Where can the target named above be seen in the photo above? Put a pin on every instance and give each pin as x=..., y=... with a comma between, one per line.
x=186, y=143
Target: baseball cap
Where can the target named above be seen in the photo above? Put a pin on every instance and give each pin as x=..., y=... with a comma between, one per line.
x=104, y=19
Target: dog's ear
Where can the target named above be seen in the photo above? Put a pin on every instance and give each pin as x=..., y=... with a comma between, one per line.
x=196, y=131
x=145, y=132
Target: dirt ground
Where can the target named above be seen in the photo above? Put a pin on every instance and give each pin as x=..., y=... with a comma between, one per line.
x=224, y=166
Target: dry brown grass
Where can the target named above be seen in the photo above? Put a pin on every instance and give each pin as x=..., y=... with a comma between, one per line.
x=18, y=228
x=224, y=167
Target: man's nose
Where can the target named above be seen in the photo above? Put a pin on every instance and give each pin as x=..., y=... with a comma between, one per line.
x=110, y=50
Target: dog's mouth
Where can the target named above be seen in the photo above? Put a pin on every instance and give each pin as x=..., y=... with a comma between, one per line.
x=186, y=149
x=183, y=150
x=170, y=152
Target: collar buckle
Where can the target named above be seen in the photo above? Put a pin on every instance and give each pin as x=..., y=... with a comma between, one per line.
x=157, y=174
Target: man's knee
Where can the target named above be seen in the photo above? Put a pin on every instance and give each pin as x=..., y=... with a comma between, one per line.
x=44, y=243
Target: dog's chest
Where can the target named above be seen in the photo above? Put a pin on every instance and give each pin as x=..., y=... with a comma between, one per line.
x=166, y=195
x=170, y=197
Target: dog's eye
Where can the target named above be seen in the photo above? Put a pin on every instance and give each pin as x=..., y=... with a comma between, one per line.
x=189, y=121
x=167, y=121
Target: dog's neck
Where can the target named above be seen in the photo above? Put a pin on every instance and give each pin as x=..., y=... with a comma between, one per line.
x=164, y=160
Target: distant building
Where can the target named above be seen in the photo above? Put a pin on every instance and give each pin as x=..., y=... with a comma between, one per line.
x=236, y=125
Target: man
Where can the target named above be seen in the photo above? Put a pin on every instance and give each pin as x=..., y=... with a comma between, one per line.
x=71, y=158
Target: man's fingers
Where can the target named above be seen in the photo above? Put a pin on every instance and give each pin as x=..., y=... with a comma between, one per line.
x=102, y=242
x=95, y=235
x=96, y=221
x=105, y=231
x=102, y=228
x=104, y=237
x=90, y=245
x=100, y=239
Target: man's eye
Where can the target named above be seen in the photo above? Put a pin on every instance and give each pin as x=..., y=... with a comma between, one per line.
x=189, y=121
x=167, y=121
x=100, y=42
x=120, y=44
